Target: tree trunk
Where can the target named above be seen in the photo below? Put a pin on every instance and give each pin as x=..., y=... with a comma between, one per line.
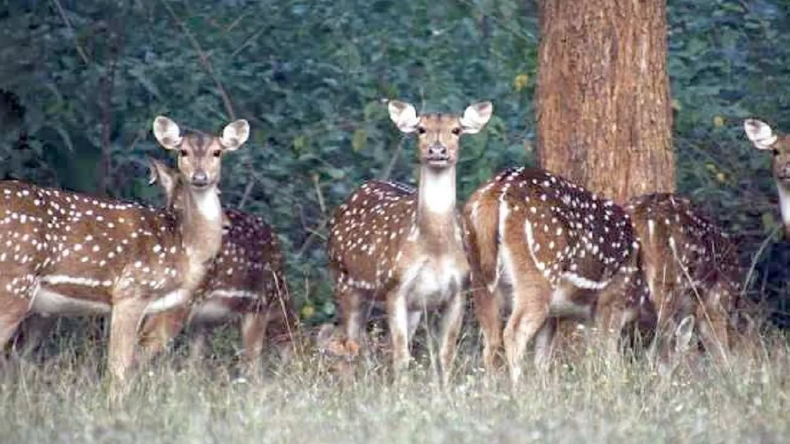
x=604, y=117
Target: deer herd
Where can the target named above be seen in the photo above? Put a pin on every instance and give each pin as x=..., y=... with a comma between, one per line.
x=530, y=247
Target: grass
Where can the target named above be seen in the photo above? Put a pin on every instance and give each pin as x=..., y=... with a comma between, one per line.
x=64, y=399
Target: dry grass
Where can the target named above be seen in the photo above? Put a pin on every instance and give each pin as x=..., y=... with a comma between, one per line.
x=64, y=399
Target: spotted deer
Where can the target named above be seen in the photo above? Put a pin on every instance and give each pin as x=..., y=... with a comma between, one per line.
x=546, y=248
x=246, y=282
x=764, y=138
x=66, y=253
x=403, y=246
x=690, y=266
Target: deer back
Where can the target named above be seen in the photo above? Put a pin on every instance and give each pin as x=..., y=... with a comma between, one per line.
x=568, y=232
x=368, y=231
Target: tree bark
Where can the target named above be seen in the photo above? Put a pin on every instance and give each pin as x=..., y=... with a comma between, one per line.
x=603, y=110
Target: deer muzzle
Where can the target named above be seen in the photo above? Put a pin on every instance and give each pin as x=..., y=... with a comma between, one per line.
x=783, y=173
x=200, y=179
x=437, y=154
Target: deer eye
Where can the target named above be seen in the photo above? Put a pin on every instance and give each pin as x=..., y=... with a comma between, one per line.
x=421, y=130
x=775, y=151
x=456, y=131
x=217, y=153
x=184, y=153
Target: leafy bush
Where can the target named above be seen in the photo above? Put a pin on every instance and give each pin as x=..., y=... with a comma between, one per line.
x=80, y=82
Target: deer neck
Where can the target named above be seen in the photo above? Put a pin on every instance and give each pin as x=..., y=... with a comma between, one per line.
x=201, y=224
x=436, y=206
x=784, y=203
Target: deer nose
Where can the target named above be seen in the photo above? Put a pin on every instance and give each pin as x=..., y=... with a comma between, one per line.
x=200, y=179
x=437, y=150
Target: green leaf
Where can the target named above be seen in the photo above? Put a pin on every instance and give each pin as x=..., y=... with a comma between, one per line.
x=359, y=139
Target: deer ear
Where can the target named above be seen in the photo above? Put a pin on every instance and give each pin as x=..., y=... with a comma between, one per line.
x=235, y=134
x=163, y=174
x=167, y=132
x=761, y=135
x=404, y=116
x=476, y=116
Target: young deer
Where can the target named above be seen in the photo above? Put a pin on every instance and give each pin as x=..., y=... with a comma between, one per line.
x=547, y=248
x=403, y=246
x=764, y=138
x=245, y=281
x=690, y=266
x=71, y=254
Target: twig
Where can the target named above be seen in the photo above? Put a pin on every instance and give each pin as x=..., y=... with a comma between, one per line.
x=106, y=87
x=318, y=193
x=247, y=42
x=140, y=134
x=757, y=254
x=247, y=191
x=395, y=156
x=314, y=233
x=204, y=60
x=235, y=22
x=66, y=20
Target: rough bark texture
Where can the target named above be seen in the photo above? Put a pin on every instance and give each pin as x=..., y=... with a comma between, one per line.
x=604, y=117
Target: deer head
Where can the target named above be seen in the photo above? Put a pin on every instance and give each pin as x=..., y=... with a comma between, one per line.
x=171, y=184
x=438, y=134
x=199, y=156
x=763, y=138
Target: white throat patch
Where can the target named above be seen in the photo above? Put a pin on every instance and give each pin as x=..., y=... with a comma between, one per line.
x=208, y=204
x=784, y=204
x=437, y=190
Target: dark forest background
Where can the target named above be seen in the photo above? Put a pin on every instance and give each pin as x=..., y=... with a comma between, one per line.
x=81, y=81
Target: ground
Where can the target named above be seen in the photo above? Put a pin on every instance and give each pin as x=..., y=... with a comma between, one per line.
x=63, y=398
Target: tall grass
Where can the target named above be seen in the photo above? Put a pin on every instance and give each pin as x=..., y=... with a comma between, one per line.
x=590, y=399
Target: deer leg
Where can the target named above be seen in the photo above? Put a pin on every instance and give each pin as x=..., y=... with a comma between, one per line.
x=33, y=331
x=283, y=326
x=530, y=312
x=451, y=329
x=197, y=342
x=544, y=341
x=350, y=312
x=127, y=314
x=14, y=310
x=488, y=310
x=414, y=322
x=253, y=335
x=158, y=331
x=714, y=325
x=398, y=321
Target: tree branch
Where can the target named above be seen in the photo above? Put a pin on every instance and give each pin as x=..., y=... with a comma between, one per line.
x=204, y=60
x=80, y=51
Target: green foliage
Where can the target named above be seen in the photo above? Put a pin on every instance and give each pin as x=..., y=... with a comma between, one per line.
x=729, y=61
x=80, y=81
x=311, y=77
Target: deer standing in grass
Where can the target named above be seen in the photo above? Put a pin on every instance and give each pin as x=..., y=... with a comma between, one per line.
x=246, y=281
x=547, y=248
x=403, y=246
x=65, y=253
x=691, y=268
